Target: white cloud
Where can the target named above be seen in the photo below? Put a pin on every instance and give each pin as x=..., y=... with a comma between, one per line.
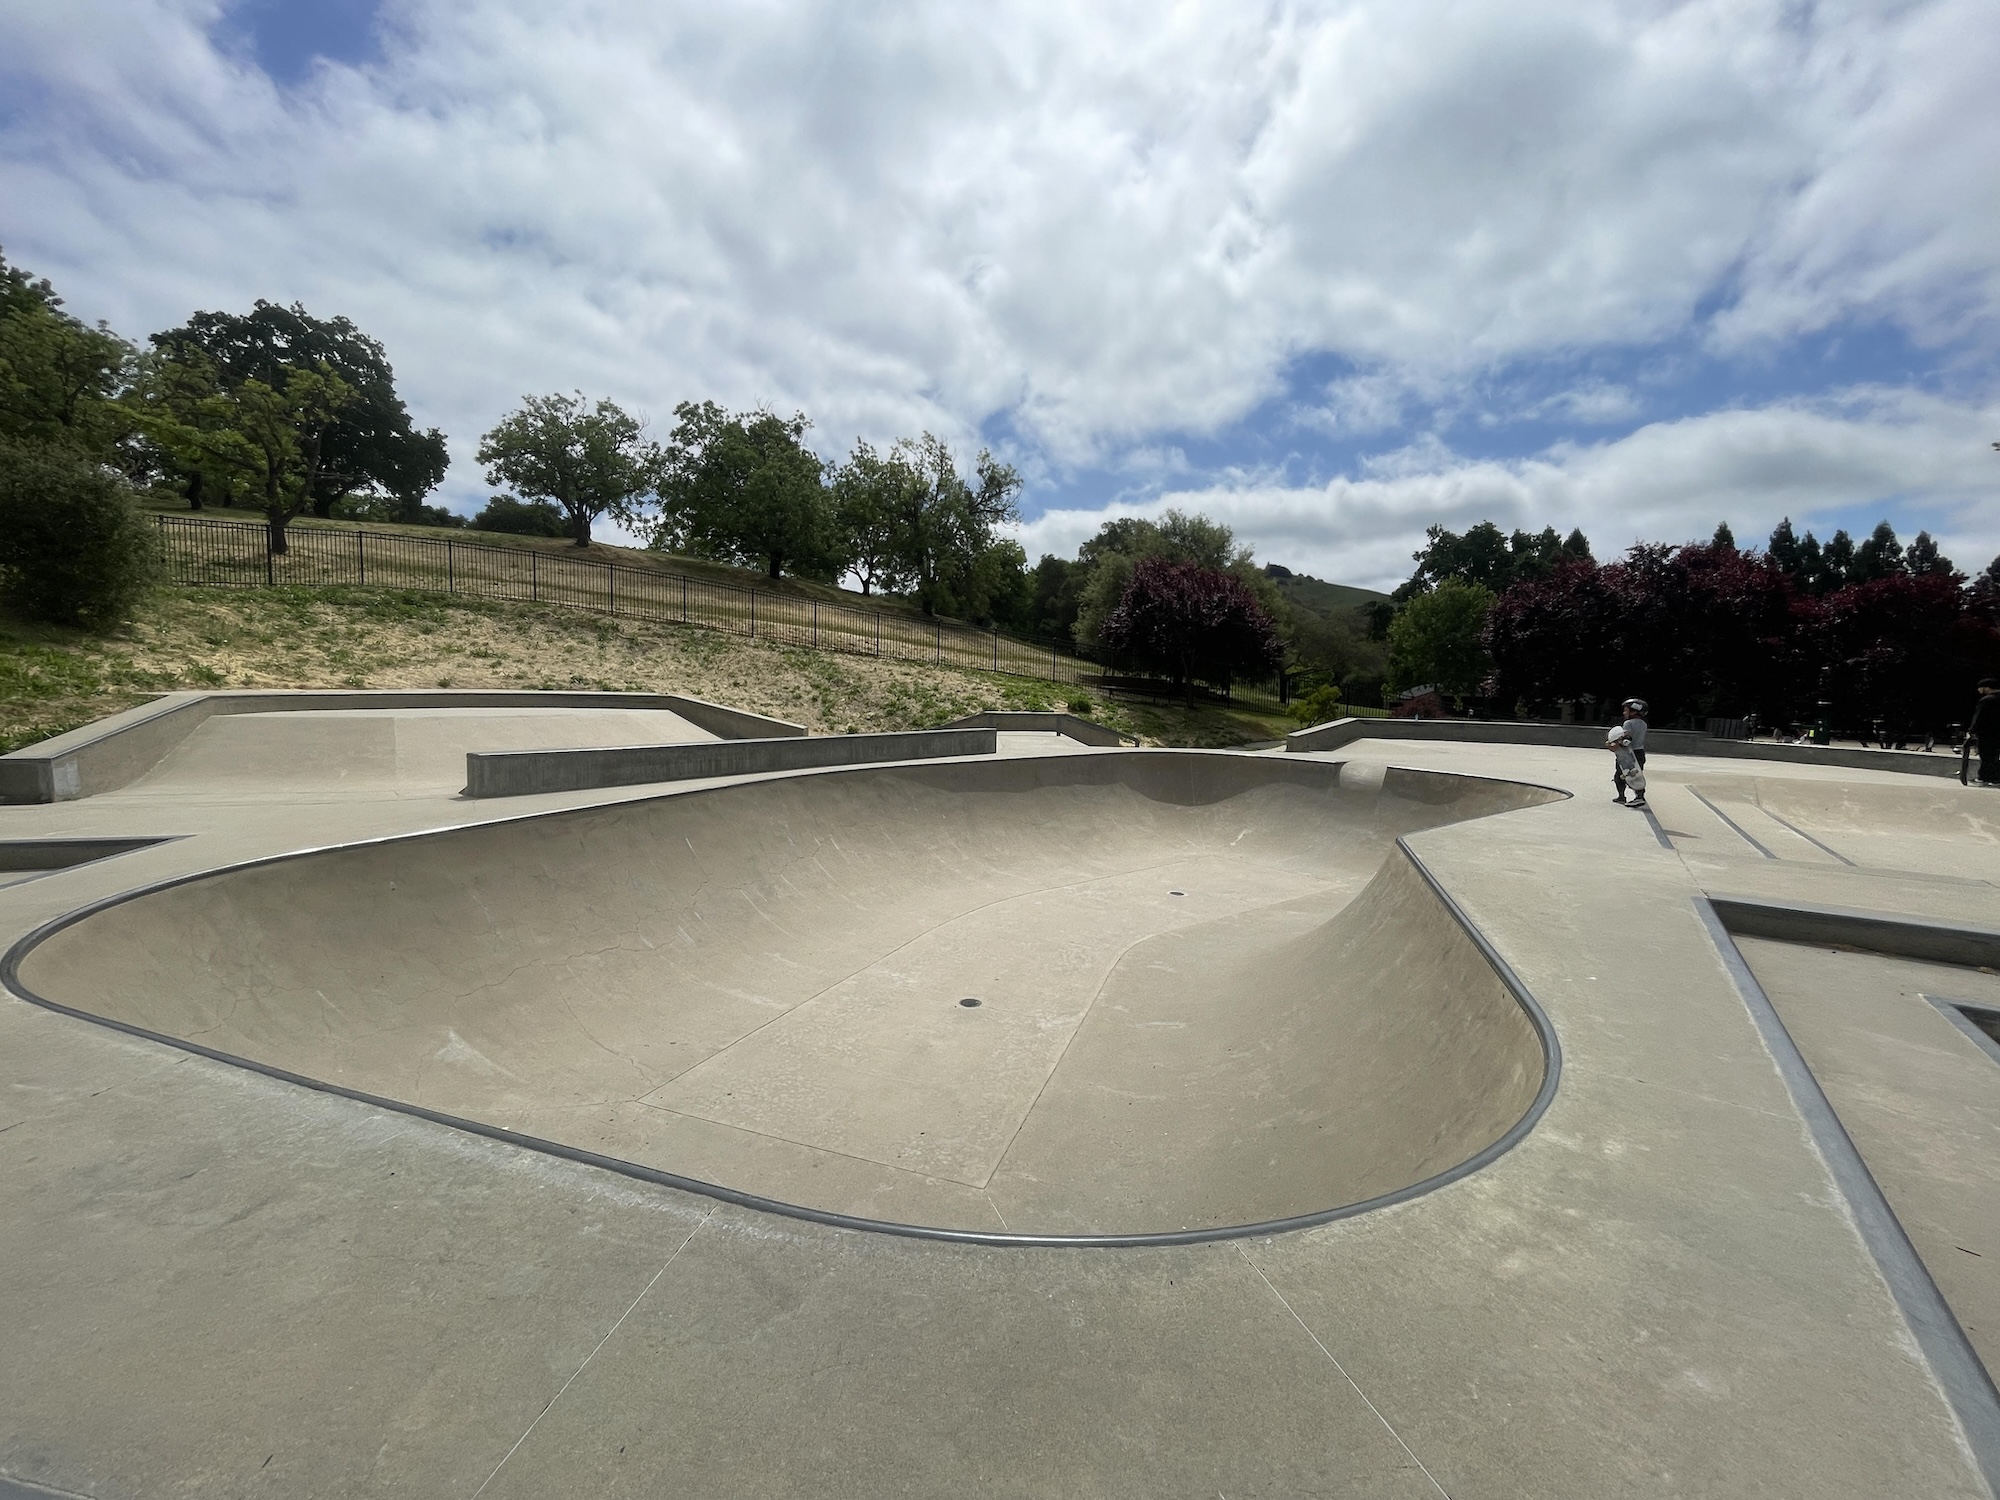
x=1670, y=481
x=1114, y=227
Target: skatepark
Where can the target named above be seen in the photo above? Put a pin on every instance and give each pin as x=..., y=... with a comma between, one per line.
x=1003, y=1114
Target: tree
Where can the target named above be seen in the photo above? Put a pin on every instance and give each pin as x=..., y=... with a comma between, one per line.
x=1194, y=622
x=59, y=378
x=945, y=523
x=1924, y=557
x=588, y=458
x=1724, y=539
x=871, y=492
x=371, y=449
x=1486, y=556
x=274, y=437
x=1879, y=556
x=1439, y=638
x=504, y=513
x=746, y=489
x=74, y=549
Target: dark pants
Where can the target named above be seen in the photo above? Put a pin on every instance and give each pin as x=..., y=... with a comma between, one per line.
x=1618, y=776
x=1989, y=758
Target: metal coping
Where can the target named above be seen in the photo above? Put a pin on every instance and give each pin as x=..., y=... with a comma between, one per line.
x=10, y=977
x=1960, y=1373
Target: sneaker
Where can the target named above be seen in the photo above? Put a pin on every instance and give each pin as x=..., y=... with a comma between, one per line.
x=1638, y=804
x=1619, y=800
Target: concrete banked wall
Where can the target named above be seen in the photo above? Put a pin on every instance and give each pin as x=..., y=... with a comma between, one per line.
x=1213, y=989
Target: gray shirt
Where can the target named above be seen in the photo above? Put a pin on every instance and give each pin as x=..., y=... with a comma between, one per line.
x=1635, y=732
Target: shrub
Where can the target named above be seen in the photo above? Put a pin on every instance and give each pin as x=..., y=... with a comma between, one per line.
x=521, y=517
x=74, y=547
x=1078, y=705
x=1318, y=706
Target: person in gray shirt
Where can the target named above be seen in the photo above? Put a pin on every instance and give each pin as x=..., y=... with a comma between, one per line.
x=1634, y=726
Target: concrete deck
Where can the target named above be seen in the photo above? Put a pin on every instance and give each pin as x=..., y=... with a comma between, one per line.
x=217, y=1282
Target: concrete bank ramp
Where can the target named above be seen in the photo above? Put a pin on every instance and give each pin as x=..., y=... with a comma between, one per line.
x=1118, y=994
x=322, y=754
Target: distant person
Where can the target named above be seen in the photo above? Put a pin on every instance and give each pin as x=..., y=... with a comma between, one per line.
x=1984, y=727
x=1634, y=730
x=1626, y=772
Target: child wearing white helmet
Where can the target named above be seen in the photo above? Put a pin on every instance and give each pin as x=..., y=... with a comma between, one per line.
x=1634, y=729
x=1628, y=772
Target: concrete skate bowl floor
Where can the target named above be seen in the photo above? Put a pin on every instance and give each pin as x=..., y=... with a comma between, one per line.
x=1212, y=990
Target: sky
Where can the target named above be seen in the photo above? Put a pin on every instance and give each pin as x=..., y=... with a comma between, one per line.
x=1330, y=273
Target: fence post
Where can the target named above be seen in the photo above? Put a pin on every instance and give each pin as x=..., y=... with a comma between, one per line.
x=361, y=555
x=684, y=599
x=270, y=558
x=534, y=575
x=611, y=586
x=815, y=616
x=450, y=578
x=878, y=632
x=753, y=614
x=996, y=648
x=939, y=624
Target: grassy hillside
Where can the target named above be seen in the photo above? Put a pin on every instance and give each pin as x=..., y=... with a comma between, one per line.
x=1324, y=598
x=52, y=680
x=632, y=557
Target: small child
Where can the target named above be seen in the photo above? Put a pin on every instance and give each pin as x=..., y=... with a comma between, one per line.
x=1629, y=772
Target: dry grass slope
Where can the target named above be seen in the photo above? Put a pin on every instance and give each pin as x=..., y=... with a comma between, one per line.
x=53, y=680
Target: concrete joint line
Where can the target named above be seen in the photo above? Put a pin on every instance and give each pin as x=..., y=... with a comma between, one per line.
x=1320, y=1345
x=1962, y=1378
x=594, y=1351
x=1958, y=1012
x=1733, y=826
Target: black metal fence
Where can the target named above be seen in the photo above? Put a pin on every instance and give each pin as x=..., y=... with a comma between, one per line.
x=237, y=554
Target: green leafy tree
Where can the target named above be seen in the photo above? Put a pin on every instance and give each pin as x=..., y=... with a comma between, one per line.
x=59, y=378
x=745, y=488
x=1490, y=558
x=373, y=449
x=945, y=523
x=74, y=548
x=1439, y=638
x=872, y=492
x=272, y=437
x=587, y=458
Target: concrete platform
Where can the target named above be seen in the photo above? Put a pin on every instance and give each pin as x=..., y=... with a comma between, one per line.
x=221, y=1282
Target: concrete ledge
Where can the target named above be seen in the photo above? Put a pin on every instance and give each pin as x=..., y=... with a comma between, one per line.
x=1838, y=927
x=1083, y=731
x=116, y=751
x=518, y=773
x=1341, y=732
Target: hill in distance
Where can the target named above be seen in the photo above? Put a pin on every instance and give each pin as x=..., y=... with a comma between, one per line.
x=1317, y=595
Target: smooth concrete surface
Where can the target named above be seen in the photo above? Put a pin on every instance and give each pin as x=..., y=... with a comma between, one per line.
x=1181, y=1021
x=1333, y=735
x=118, y=750
x=522, y=773
x=217, y=1283
x=1083, y=731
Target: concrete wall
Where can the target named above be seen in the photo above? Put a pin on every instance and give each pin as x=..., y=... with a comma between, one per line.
x=113, y=752
x=1340, y=732
x=518, y=773
x=1081, y=730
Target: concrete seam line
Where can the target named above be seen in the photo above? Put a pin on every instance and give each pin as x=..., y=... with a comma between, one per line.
x=1320, y=1344
x=1785, y=823
x=10, y=977
x=1955, y=1011
x=1733, y=826
x=1961, y=1376
x=594, y=1351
